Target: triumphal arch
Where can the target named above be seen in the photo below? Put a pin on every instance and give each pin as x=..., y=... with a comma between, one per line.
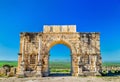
x=34, y=50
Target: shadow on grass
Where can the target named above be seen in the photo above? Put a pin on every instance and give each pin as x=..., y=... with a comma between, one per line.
x=59, y=74
x=110, y=73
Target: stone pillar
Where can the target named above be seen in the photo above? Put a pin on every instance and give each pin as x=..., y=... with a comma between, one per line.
x=23, y=50
x=22, y=65
x=39, y=50
x=95, y=68
x=98, y=66
x=46, y=68
x=75, y=65
x=71, y=65
x=79, y=66
x=39, y=65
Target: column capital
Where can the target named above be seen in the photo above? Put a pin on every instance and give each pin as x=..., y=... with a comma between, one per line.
x=19, y=53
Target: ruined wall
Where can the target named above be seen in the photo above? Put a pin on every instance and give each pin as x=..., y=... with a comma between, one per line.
x=7, y=72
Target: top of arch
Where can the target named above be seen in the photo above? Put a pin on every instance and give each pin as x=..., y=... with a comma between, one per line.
x=59, y=28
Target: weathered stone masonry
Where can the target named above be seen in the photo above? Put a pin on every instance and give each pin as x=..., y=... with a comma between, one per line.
x=34, y=50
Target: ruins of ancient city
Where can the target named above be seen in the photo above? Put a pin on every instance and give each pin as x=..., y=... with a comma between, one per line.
x=35, y=46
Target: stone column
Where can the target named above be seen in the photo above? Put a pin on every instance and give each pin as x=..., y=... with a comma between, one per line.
x=22, y=69
x=97, y=73
x=79, y=66
x=39, y=50
x=95, y=63
x=46, y=70
x=74, y=64
x=71, y=65
x=39, y=65
x=23, y=50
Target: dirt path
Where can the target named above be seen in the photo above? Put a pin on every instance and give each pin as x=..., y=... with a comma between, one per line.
x=62, y=79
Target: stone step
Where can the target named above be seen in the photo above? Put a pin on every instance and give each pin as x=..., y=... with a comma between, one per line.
x=87, y=73
x=30, y=73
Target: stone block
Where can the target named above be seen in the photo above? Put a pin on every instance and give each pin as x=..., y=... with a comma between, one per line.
x=46, y=28
x=56, y=29
x=72, y=28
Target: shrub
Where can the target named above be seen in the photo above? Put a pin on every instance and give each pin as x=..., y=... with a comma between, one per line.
x=104, y=73
x=7, y=67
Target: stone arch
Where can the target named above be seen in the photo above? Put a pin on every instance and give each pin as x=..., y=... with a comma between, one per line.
x=59, y=42
x=46, y=56
x=78, y=42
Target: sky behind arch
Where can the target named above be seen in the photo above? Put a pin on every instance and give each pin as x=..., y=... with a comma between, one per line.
x=89, y=15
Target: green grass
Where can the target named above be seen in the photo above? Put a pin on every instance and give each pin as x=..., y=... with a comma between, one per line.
x=108, y=64
x=60, y=70
x=11, y=63
x=60, y=66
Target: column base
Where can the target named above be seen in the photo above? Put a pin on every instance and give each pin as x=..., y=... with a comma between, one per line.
x=80, y=74
x=97, y=74
x=21, y=75
x=38, y=73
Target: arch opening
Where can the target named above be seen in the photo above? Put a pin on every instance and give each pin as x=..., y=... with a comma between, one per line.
x=60, y=60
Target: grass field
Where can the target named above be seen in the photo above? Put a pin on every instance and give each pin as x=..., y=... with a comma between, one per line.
x=59, y=66
x=11, y=63
x=111, y=64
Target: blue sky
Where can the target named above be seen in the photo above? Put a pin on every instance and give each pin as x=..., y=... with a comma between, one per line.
x=63, y=53
x=89, y=15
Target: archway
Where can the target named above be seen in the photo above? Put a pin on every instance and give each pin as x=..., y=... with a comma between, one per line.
x=60, y=60
x=80, y=44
